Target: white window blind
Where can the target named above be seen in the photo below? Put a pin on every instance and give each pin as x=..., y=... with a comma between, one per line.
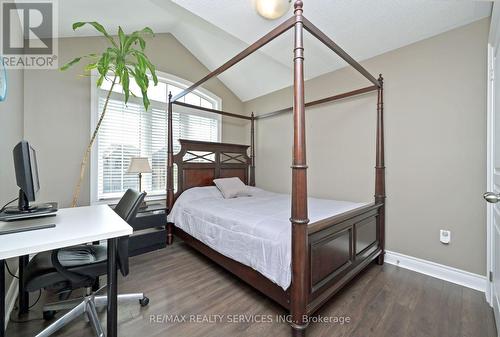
x=129, y=131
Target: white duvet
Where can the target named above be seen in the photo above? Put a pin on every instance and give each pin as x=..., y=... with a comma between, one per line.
x=255, y=230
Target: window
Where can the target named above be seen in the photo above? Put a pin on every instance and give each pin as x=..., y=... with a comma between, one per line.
x=129, y=131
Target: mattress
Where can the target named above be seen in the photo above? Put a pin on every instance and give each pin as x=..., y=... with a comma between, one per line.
x=253, y=230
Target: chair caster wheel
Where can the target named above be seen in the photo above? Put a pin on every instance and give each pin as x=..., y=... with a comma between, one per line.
x=49, y=315
x=144, y=301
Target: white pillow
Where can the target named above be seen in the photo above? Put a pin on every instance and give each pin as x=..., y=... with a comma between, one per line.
x=231, y=187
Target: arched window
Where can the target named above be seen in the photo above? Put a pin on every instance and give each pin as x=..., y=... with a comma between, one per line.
x=129, y=131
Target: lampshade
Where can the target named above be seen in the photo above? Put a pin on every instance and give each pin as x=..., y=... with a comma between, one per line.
x=272, y=9
x=139, y=165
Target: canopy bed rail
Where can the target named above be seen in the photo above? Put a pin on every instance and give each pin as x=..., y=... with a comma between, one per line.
x=326, y=254
x=218, y=112
x=276, y=32
x=316, y=32
x=282, y=28
x=330, y=99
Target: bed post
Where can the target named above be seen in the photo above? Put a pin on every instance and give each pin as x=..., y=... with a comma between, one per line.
x=300, y=278
x=170, y=169
x=380, y=169
x=252, y=150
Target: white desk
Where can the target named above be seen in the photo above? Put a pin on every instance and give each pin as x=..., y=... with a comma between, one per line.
x=73, y=226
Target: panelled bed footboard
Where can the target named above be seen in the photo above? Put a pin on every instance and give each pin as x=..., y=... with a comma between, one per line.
x=339, y=248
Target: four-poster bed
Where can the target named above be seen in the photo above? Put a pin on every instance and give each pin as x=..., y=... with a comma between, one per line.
x=325, y=253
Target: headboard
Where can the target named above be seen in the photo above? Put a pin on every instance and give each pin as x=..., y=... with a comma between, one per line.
x=199, y=163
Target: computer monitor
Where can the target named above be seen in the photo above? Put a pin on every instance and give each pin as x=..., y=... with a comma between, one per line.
x=26, y=169
x=26, y=174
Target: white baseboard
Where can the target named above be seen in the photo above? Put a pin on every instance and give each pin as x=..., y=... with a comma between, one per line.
x=11, y=298
x=450, y=274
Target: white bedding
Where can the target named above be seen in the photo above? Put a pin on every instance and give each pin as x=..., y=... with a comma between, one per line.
x=255, y=230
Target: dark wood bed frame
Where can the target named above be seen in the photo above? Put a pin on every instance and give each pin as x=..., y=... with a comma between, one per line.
x=326, y=254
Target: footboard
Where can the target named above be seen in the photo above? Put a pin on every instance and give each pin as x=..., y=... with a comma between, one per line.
x=339, y=248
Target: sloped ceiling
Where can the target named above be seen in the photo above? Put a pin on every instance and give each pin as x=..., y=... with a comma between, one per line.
x=216, y=30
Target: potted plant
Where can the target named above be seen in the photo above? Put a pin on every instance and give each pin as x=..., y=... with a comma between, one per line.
x=122, y=61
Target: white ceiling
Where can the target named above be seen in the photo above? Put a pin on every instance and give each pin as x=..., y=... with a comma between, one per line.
x=216, y=30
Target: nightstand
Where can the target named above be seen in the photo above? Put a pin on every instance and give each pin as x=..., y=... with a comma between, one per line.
x=149, y=229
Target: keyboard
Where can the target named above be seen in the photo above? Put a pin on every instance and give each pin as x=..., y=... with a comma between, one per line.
x=13, y=227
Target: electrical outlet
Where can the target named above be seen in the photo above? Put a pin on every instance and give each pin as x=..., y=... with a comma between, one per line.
x=444, y=236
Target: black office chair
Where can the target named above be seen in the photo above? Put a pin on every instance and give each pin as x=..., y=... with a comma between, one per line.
x=64, y=270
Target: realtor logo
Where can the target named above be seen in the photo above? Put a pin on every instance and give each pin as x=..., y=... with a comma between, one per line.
x=29, y=34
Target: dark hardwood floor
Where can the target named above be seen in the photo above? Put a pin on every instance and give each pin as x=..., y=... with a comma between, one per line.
x=381, y=302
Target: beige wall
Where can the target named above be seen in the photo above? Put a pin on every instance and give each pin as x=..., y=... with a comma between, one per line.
x=435, y=108
x=11, y=132
x=57, y=110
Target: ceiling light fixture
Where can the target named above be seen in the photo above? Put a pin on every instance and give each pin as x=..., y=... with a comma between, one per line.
x=272, y=9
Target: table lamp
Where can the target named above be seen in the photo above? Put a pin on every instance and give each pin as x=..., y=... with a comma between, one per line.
x=139, y=165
